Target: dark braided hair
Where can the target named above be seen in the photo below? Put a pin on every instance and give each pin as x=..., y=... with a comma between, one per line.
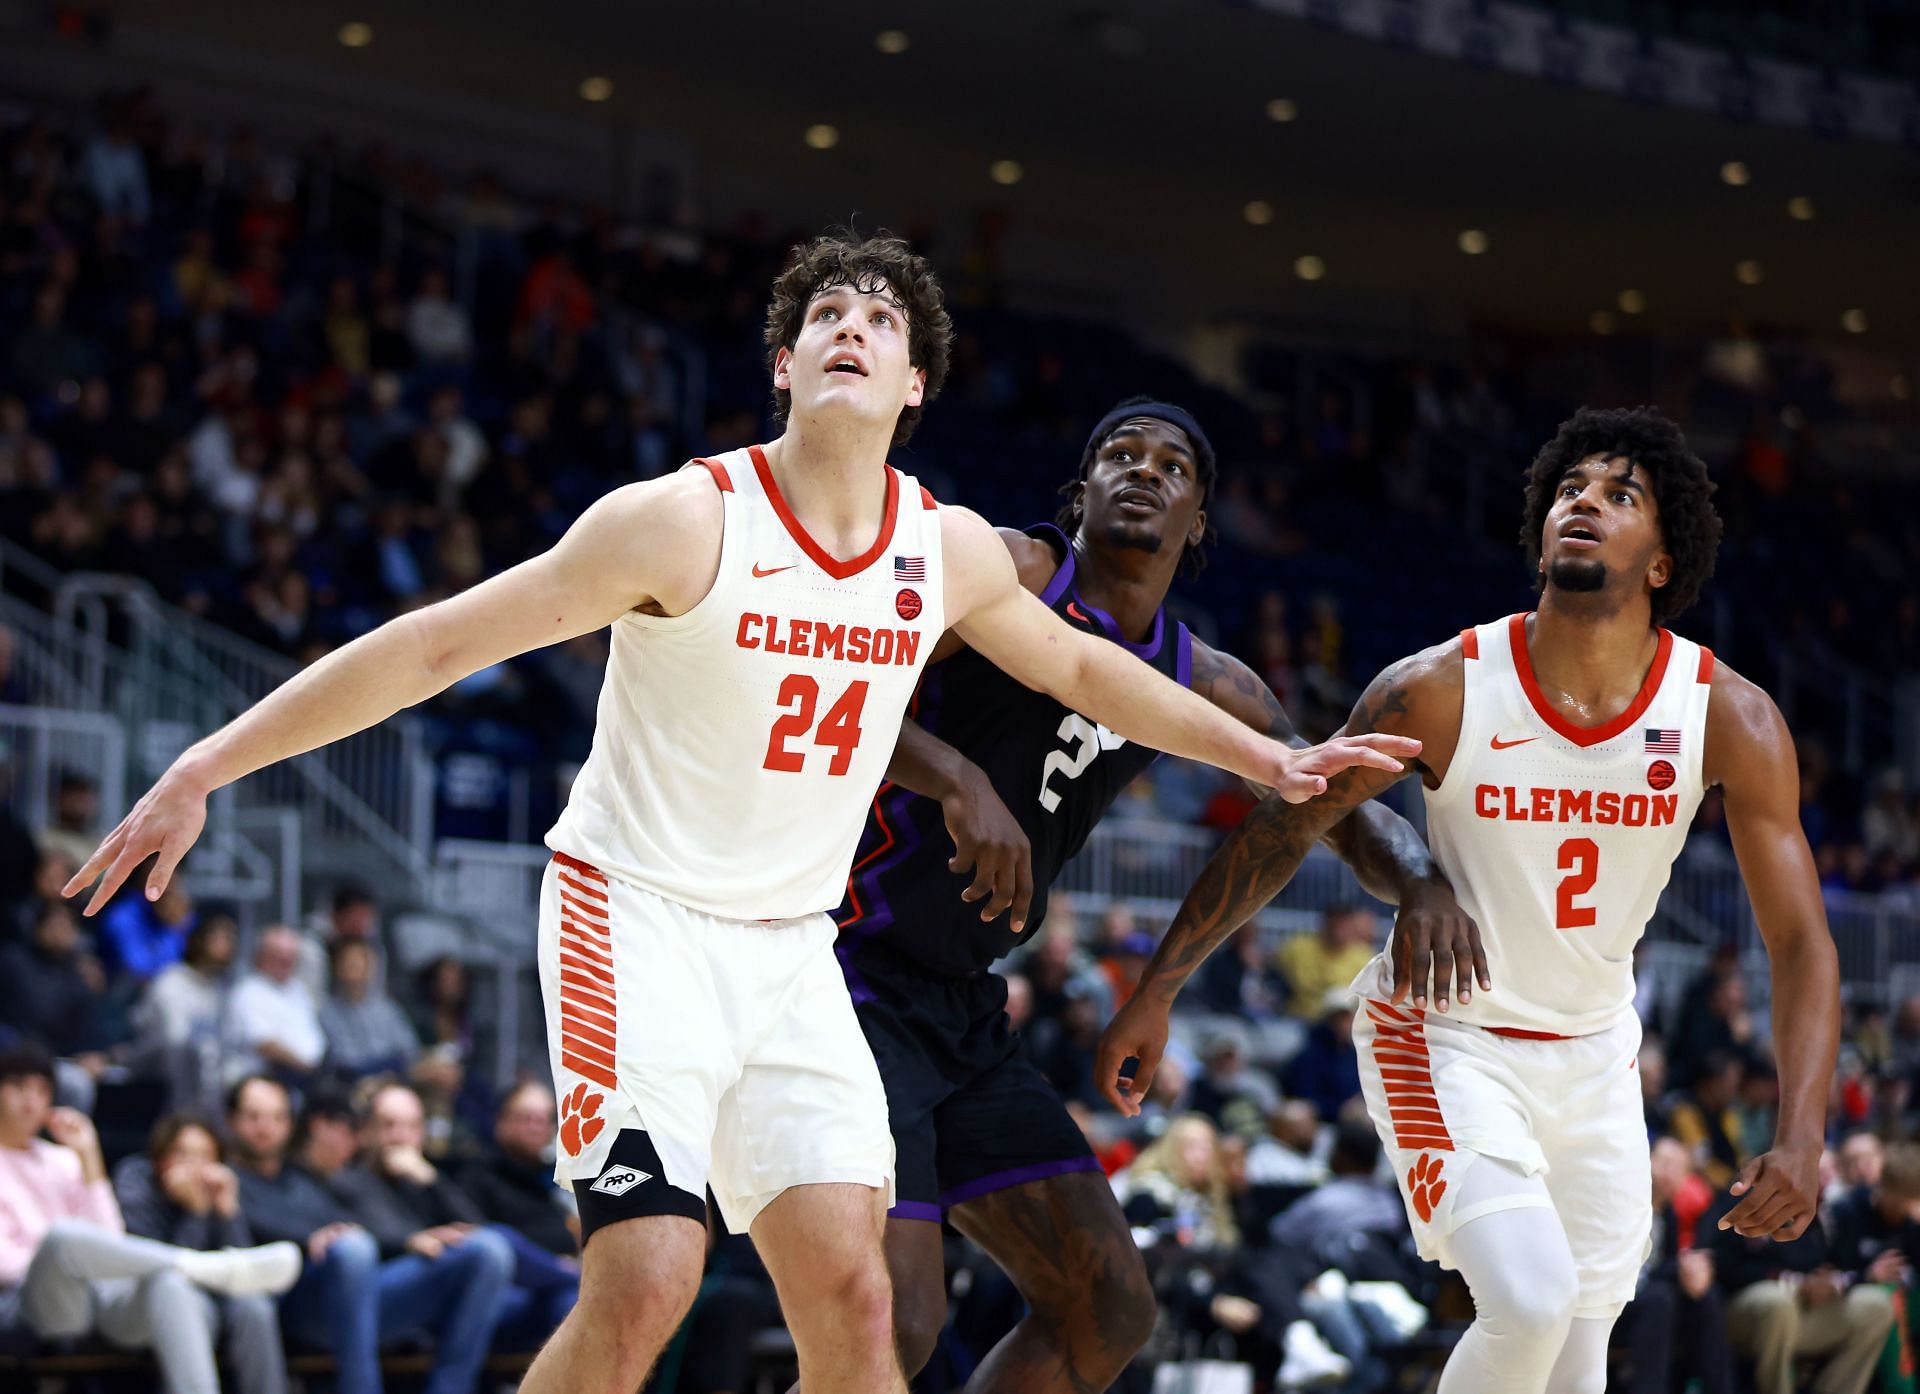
x=1193, y=560
x=1689, y=524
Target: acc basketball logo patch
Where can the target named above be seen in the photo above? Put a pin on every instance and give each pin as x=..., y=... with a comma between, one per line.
x=1661, y=774
x=907, y=604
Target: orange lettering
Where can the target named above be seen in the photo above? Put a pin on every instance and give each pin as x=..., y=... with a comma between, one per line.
x=827, y=639
x=1576, y=805
x=1483, y=800
x=1606, y=807
x=1666, y=807
x=1515, y=813
x=743, y=637
x=859, y=641
x=1542, y=806
x=909, y=647
x=1634, y=814
x=802, y=631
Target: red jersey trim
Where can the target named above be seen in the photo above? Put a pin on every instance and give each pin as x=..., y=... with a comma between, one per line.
x=719, y=473
x=1470, y=643
x=821, y=557
x=1585, y=735
x=1706, y=665
x=1515, y=1033
x=927, y=500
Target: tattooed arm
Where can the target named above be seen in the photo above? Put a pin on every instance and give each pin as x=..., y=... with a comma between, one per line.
x=1386, y=854
x=1418, y=696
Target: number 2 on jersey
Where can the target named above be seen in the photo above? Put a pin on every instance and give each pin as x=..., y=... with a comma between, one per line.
x=1580, y=858
x=839, y=729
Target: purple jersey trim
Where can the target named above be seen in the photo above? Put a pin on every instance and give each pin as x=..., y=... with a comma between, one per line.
x=1063, y=577
x=916, y=1210
x=1018, y=1176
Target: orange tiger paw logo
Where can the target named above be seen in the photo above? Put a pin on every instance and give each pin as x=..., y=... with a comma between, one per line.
x=579, y=1120
x=1425, y=1186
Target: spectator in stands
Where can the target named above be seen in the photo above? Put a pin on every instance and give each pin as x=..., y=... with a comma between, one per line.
x=1288, y=1154
x=74, y=831
x=1652, y=1064
x=366, y=1032
x=512, y=1182
x=273, y=1025
x=1676, y=1325
x=182, y=1192
x=1056, y=964
x=117, y=175
x=437, y=325
x=352, y=913
x=67, y=1266
x=326, y=1139
x=51, y=872
x=1876, y=1227
x=1326, y=1071
x=350, y=1297
x=139, y=937
x=50, y=990
x=1314, y=963
x=178, y=1020
x=1717, y=1023
x=1888, y=826
x=411, y=1206
x=1236, y=980
x=49, y=352
x=1786, y=1301
x=1704, y=1122
x=1859, y=1164
x=1230, y=1091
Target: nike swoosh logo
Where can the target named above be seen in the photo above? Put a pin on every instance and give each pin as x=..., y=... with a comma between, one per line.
x=1074, y=610
x=773, y=570
x=1499, y=744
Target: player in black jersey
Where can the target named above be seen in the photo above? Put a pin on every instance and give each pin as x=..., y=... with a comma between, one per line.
x=980, y=1137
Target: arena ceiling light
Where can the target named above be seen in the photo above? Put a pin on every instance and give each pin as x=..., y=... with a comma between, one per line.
x=1309, y=268
x=1749, y=273
x=356, y=34
x=1283, y=110
x=1600, y=322
x=1736, y=173
x=1631, y=302
x=596, y=89
x=891, y=41
x=1800, y=209
x=1854, y=321
x=1474, y=242
x=1006, y=172
x=1258, y=212
x=821, y=136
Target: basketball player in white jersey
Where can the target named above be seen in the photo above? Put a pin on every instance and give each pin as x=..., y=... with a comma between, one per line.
x=1564, y=753
x=771, y=611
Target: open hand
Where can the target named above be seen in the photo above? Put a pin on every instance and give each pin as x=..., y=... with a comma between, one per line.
x=166, y=821
x=1435, y=940
x=988, y=838
x=1306, y=771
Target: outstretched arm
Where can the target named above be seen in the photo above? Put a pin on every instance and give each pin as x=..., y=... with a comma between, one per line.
x=1418, y=696
x=647, y=543
x=986, y=836
x=1750, y=755
x=1386, y=854
x=1014, y=631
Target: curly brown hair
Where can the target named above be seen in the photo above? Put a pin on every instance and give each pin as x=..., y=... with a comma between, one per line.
x=843, y=258
x=1689, y=523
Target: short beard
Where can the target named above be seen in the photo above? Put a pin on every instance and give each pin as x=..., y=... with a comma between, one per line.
x=1577, y=576
x=1127, y=535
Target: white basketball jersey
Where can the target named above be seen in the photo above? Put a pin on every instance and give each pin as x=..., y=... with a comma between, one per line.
x=1558, y=838
x=737, y=746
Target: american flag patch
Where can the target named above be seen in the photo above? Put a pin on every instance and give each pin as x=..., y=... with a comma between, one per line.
x=910, y=570
x=1663, y=741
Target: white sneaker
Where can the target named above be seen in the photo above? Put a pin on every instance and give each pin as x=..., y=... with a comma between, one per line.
x=268, y=1269
x=1310, y=1360
x=1330, y=1286
x=1393, y=1302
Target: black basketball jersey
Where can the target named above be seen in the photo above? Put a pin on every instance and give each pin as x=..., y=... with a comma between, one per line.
x=1054, y=769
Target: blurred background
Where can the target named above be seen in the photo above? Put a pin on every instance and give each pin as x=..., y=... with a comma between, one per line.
x=311, y=315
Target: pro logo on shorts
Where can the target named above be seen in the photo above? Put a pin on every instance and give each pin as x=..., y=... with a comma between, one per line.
x=580, y=1121
x=1425, y=1186
x=618, y=1180
x=907, y=604
x=1660, y=774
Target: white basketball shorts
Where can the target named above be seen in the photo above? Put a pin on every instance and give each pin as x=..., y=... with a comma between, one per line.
x=692, y=1052
x=1443, y=1094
